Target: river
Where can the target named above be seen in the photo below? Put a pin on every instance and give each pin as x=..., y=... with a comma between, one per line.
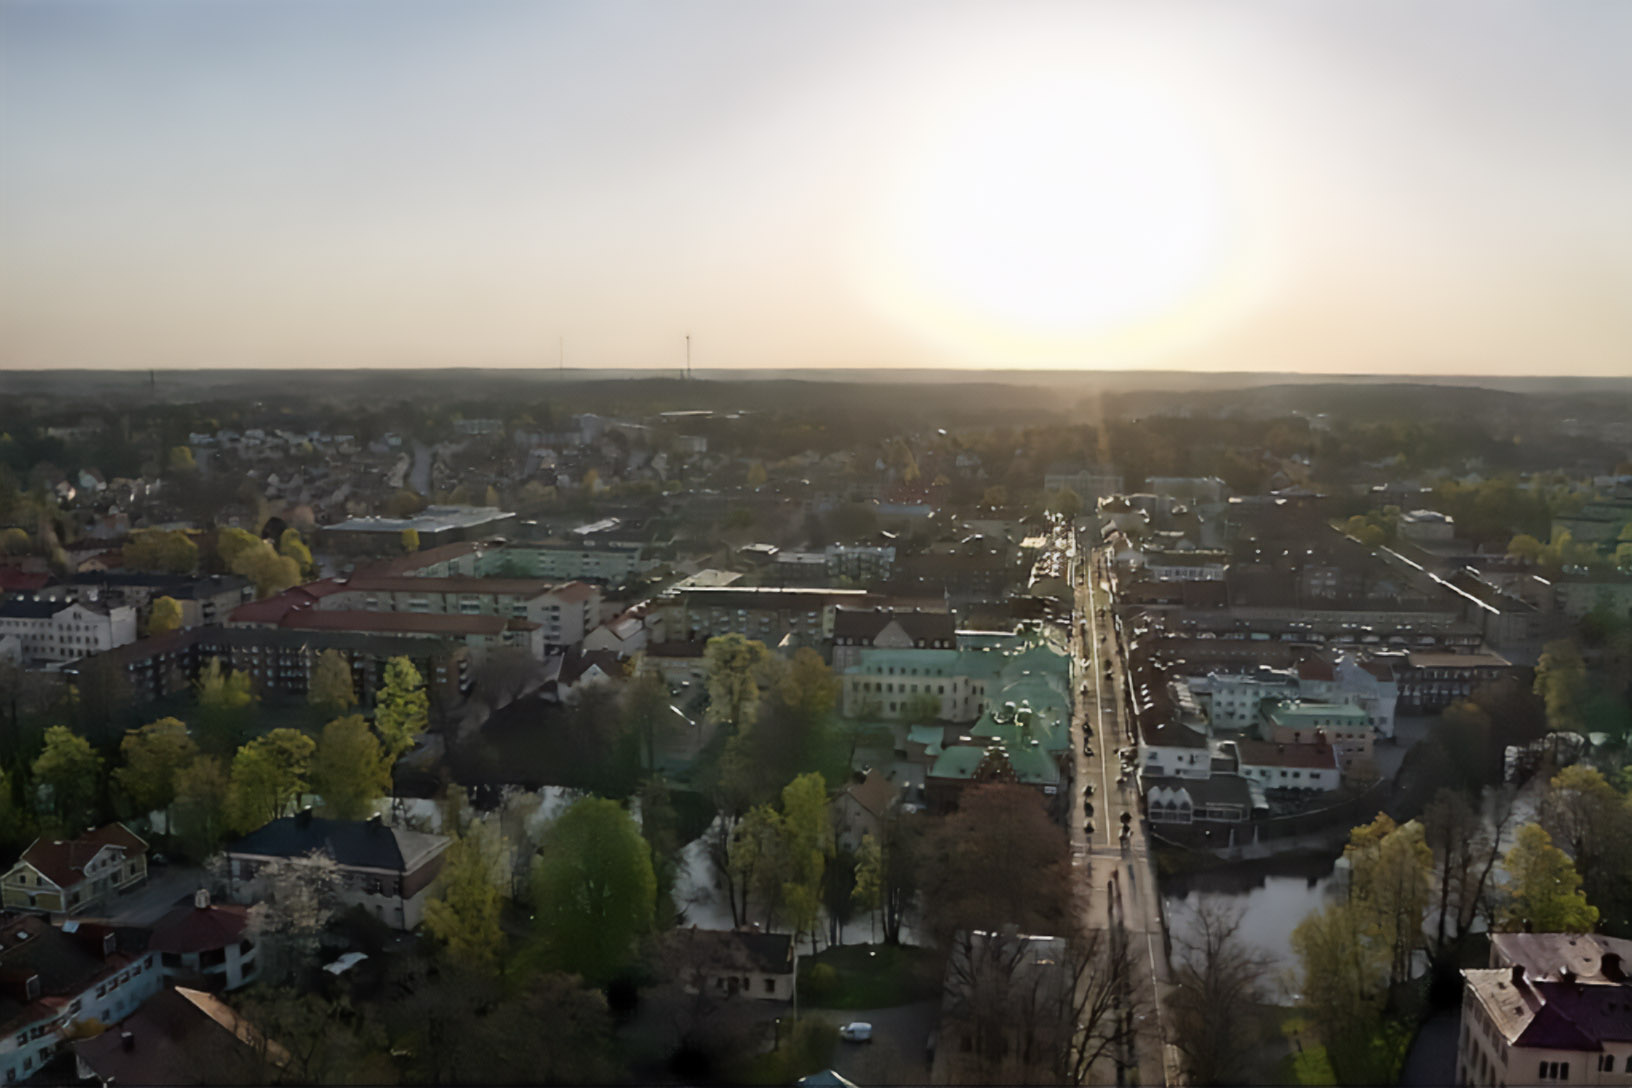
x=1273, y=896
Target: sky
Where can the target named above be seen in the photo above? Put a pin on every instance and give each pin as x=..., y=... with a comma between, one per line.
x=1372, y=186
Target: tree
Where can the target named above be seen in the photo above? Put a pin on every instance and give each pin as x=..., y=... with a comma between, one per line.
x=165, y=616
x=232, y=543
x=404, y=504
x=504, y=674
x=1591, y=822
x=332, y=689
x=201, y=790
x=225, y=701
x=1561, y=681
x=293, y=547
x=646, y=710
x=464, y=916
x=998, y=860
x=1344, y=981
x=1544, y=890
x=294, y=900
x=1218, y=986
x=268, y=775
x=734, y=663
x=409, y=539
x=182, y=460
x=349, y=771
x=153, y=755
x=15, y=542
x=72, y=773
x=160, y=552
x=1465, y=854
x=809, y=833
x=594, y=888
x=1389, y=872
x=869, y=878
x=272, y=573
x=756, y=473
x=401, y=707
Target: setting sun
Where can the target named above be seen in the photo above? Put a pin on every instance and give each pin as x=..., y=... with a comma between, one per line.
x=1054, y=215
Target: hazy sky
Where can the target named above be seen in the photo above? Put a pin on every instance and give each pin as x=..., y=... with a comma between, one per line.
x=1368, y=186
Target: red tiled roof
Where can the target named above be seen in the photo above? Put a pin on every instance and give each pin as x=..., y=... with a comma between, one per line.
x=420, y=560
x=1316, y=668
x=274, y=609
x=22, y=581
x=191, y=928
x=63, y=862
x=575, y=592
x=311, y=619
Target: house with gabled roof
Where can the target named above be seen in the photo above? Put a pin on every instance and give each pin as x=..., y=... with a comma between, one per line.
x=861, y=807
x=67, y=876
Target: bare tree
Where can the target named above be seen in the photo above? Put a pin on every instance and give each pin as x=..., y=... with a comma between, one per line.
x=505, y=674
x=1467, y=843
x=1219, y=985
x=1019, y=1009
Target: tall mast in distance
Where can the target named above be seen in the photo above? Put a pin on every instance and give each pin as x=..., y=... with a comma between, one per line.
x=688, y=356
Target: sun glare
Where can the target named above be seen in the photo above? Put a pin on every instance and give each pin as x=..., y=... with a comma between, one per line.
x=1054, y=219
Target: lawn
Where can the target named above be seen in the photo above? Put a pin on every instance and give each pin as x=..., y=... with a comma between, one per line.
x=875, y=976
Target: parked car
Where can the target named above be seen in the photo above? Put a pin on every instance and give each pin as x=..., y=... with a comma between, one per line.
x=857, y=1031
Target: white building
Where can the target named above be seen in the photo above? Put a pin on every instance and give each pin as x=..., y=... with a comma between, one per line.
x=1552, y=1008
x=62, y=631
x=51, y=978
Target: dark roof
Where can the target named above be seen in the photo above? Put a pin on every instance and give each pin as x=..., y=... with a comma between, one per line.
x=357, y=843
x=191, y=928
x=63, y=862
x=66, y=961
x=19, y=609
x=407, y=583
x=862, y=626
x=418, y=623
x=176, y=1037
x=735, y=950
x=578, y=662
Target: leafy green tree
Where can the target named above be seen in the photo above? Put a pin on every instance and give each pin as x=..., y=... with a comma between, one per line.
x=160, y=552
x=201, y=789
x=270, y=572
x=349, y=770
x=594, y=888
x=646, y=710
x=410, y=541
x=465, y=915
x=404, y=504
x=292, y=546
x=1544, y=890
x=734, y=663
x=401, y=707
x=332, y=689
x=869, y=890
x=225, y=704
x=1389, y=878
x=232, y=543
x=153, y=755
x=72, y=772
x=1343, y=974
x=268, y=774
x=15, y=542
x=165, y=616
x=1561, y=680
x=809, y=834
x=182, y=460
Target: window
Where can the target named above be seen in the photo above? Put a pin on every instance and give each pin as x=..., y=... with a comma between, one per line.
x=770, y=988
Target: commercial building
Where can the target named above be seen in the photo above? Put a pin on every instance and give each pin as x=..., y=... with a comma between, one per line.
x=436, y=525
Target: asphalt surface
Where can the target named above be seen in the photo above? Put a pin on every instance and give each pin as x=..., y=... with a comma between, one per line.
x=1119, y=890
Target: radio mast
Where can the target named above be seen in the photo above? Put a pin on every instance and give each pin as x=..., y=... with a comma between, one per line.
x=688, y=356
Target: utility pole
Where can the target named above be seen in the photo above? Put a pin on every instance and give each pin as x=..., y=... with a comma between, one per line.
x=688, y=378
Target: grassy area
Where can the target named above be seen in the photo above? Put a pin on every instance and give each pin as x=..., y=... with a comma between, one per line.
x=875, y=976
x=1307, y=1063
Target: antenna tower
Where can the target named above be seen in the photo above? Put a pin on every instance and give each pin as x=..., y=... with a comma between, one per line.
x=688, y=356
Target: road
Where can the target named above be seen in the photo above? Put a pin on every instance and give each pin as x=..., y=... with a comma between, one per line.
x=1118, y=889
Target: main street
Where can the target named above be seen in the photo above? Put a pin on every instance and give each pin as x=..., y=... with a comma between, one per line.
x=1119, y=890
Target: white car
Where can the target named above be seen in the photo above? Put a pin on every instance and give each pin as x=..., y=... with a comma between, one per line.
x=857, y=1031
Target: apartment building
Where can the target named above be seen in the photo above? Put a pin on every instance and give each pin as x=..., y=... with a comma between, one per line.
x=53, y=632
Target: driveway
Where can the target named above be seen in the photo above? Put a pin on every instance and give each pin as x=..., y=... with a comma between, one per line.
x=1432, y=1057
x=897, y=1054
x=166, y=887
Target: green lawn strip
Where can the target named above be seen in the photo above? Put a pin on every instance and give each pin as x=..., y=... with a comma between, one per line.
x=868, y=977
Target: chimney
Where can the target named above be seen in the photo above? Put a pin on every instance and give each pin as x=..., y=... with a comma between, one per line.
x=127, y=1040
x=1611, y=967
x=1518, y=975
x=304, y=817
x=201, y=899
